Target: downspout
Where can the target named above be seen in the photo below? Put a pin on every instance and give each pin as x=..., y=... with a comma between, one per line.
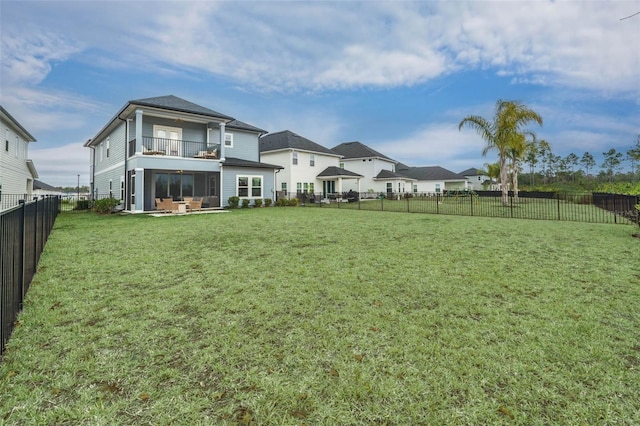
x=93, y=166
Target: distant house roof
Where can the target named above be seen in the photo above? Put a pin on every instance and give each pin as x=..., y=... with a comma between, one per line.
x=45, y=187
x=238, y=162
x=431, y=173
x=350, y=150
x=25, y=134
x=286, y=139
x=175, y=103
x=388, y=174
x=333, y=171
x=472, y=172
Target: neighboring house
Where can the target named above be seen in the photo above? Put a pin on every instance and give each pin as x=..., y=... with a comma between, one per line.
x=434, y=179
x=167, y=147
x=17, y=171
x=308, y=168
x=378, y=170
x=477, y=179
x=41, y=189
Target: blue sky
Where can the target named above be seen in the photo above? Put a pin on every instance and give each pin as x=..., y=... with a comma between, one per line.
x=396, y=76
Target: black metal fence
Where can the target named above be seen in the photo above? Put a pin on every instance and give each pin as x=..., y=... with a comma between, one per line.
x=563, y=206
x=24, y=230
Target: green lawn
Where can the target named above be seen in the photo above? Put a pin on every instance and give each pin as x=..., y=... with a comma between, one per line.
x=291, y=316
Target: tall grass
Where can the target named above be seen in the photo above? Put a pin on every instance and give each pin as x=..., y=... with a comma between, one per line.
x=289, y=316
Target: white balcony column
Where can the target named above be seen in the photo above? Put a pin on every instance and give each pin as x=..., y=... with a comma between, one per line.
x=222, y=147
x=139, y=190
x=138, y=134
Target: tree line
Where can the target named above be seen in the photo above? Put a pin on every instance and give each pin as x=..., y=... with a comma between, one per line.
x=519, y=149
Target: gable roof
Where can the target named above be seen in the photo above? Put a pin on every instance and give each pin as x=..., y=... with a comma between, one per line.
x=44, y=186
x=286, y=139
x=25, y=134
x=238, y=162
x=175, y=103
x=334, y=171
x=431, y=173
x=240, y=125
x=472, y=172
x=350, y=150
x=388, y=174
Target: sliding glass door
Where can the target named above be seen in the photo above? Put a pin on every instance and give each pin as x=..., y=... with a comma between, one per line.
x=173, y=185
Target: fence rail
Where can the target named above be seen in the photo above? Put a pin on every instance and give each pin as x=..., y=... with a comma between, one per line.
x=563, y=206
x=24, y=230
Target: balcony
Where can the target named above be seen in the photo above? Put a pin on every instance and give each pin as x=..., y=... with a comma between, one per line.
x=176, y=148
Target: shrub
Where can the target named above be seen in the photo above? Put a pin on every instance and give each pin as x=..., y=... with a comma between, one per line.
x=82, y=205
x=293, y=202
x=281, y=202
x=257, y=202
x=245, y=203
x=267, y=202
x=233, y=202
x=105, y=205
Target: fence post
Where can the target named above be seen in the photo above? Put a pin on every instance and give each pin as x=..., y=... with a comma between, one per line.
x=23, y=256
x=471, y=201
x=558, y=196
x=437, y=203
x=382, y=203
x=407, y=204
x=511, y=204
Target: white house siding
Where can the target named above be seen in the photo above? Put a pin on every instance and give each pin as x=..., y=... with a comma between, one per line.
x=302, y=172
x=230, y=177
x=369, y=168
x=15, y=176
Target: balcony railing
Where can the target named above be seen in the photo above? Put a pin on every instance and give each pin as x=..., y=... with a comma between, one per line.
x=176, y=148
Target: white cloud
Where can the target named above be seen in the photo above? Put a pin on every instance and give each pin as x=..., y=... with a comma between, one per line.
x=61, y=165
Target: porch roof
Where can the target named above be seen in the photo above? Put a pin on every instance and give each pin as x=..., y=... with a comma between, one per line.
x=238, y=162
x=337, y=172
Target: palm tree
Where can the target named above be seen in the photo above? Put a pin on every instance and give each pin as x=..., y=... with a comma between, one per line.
x=493, y=171
x=509, y=119
x=517, y=150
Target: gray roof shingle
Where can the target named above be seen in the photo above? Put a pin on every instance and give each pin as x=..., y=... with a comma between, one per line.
x=431, y=173
x=333, y=171
x=286, y=139
x=238, y=162
x=357, y=149
x=175, y=103
x=388, y=174
x=472, y=172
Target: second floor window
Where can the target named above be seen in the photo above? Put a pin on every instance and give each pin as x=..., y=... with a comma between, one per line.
x=107, y=147
x=295, y=158
x=228, y=140
x=312, y=160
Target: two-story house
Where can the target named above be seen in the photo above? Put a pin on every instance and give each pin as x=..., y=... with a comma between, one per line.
x=378, y=170
x=477, y=179
x=168, y=147
x=17, y=171
x=308, y=167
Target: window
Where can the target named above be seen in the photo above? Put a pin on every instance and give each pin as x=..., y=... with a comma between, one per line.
x=311, y=189
x=312, y=160
x=294, y=157
x=342, y=165
x=415, y=188
x=167, y=139
x=305, y=187
x=228, y=140
x=437, y=187
x=389, y=187
x=122, y=188
x=284, y=186
x=250, y=186
x=107, y=147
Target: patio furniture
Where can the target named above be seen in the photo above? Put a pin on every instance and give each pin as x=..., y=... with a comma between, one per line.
x=166, y=205
x=193, y=203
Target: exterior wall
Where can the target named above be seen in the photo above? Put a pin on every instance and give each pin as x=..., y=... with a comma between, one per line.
x=111, y=167
x=246, y=145
x=230, y=179
x=369, y=168
x=475, y=182
x=302, y=172
x=15, y=177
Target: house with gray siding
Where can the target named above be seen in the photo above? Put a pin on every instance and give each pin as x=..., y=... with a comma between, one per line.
x=168, y=147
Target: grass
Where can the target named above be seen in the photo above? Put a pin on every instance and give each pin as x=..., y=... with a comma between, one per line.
x=290, y=316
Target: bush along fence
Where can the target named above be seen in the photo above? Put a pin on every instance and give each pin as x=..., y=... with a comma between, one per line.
x=563, y=206
x=24, y=230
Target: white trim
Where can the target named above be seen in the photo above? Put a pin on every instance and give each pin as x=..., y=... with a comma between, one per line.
x=250, y=186
x=228, y=137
